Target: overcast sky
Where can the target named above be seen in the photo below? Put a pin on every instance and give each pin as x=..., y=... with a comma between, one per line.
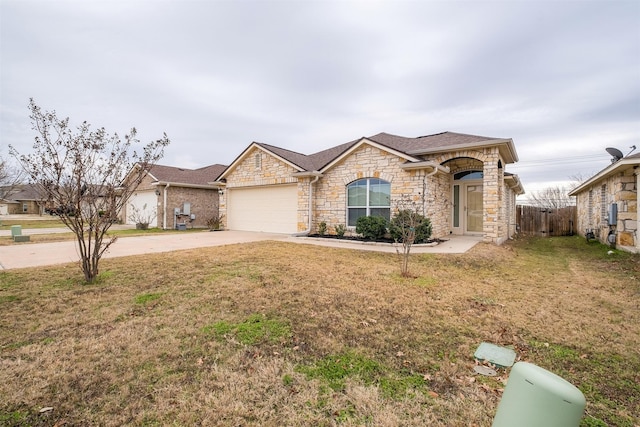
x=561, y=78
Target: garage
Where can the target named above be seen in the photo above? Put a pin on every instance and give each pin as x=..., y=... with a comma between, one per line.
x=145, y=208
x=272, y=209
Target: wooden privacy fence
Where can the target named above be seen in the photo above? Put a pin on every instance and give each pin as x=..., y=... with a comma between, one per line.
x=536, y=221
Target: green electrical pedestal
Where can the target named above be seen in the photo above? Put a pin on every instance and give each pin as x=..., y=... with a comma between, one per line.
x=535, y=397
x=16, y=230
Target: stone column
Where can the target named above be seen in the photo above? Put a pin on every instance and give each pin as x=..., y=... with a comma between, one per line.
x=491, y=197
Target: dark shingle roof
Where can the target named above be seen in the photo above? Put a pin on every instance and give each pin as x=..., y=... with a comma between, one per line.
x=201, y=176
x=25, y=192
x=402, y=144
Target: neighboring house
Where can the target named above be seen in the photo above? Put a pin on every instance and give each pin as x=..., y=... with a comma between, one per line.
x=23, y=199
x=171, y=196
x=608, y=203
x=457, y=180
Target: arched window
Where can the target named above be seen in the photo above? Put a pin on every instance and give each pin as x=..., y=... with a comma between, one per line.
x=368, y=197
x=468, y=175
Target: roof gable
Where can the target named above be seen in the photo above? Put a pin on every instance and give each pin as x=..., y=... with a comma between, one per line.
x=174, y=175
x=613, y=168
x=407, y=148
x=367, y=141
x=297, y=161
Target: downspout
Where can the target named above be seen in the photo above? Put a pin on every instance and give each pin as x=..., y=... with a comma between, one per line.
x=424, y=189
x=164, y=207
x=308, y=230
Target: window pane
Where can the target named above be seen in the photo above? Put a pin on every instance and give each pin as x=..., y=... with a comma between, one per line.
x=357, y=193
x=379, y=193
x=468, y=175
x=383, y=212
x=354, y=214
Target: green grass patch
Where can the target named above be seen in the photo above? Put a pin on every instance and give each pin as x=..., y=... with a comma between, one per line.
x=9, y=280
x=253, y=330
x=335, y=369
x=144, y=299
x=8, y=298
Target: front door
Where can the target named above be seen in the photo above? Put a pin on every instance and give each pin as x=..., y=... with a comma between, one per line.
x=467, y=208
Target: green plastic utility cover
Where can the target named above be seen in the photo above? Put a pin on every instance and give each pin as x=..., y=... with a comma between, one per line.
x=494, y=354
x=535, y=397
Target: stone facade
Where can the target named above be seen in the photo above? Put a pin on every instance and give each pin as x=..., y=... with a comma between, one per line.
x=429, y=192
x=593, y=205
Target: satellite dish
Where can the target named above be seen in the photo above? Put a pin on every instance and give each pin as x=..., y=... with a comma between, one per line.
x=615, y=153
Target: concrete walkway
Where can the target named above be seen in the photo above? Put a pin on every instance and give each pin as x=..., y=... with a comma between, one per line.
x=22, y=255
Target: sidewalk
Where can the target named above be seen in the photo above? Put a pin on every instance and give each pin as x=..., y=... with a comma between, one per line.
x=22, y=255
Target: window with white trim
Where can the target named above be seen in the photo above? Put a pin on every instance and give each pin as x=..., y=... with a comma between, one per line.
x=368, y=197
x=258, y=161
x=603, y=203
x=590, y=208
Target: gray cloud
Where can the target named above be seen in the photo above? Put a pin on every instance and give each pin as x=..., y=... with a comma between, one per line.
x=560, y=78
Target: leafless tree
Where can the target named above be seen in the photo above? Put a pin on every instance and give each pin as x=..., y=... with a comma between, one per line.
x=10, y=178
x=554, y=197
x=407, y=227
x=80, y=173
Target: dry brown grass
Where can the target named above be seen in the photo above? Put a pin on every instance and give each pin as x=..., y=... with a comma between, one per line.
x=137, y=348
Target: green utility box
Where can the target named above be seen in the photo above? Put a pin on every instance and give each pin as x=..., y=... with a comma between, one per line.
x=16, y=230
x=535, y=397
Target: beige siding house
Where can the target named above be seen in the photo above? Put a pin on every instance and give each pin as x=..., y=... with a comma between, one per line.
x=457, y=180
x=23, y=199
x=608, y=206
x=173, y=197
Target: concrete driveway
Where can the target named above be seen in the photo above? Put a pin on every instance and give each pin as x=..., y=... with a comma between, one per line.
x=22, y=255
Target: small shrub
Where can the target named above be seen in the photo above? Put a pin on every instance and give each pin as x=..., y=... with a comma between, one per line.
x=371, y=227
x=340, y=230
x=215, y=222
x=405, y=220
x=322, y=228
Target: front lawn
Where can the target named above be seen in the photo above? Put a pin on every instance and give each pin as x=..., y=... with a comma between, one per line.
x=277, y=334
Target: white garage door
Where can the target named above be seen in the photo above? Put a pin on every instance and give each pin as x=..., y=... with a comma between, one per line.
x=272, y=209
x=146, y=206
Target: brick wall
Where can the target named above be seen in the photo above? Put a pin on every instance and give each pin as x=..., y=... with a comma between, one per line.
x=204, y=204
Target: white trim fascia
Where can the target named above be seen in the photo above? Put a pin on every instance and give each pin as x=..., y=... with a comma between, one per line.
x=184, y=184
x=425, y=164
x=482, y=144
x=245, y=153
x=516, y=186
x=604, y=173
x=377, y=145
x=308, y=174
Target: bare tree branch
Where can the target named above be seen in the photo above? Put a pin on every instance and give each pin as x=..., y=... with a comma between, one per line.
x=81, y=174
x=10, y=179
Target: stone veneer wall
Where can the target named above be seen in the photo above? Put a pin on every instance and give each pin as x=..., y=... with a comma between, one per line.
x=493, y=216
x=431, y=194
x=621, y=189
